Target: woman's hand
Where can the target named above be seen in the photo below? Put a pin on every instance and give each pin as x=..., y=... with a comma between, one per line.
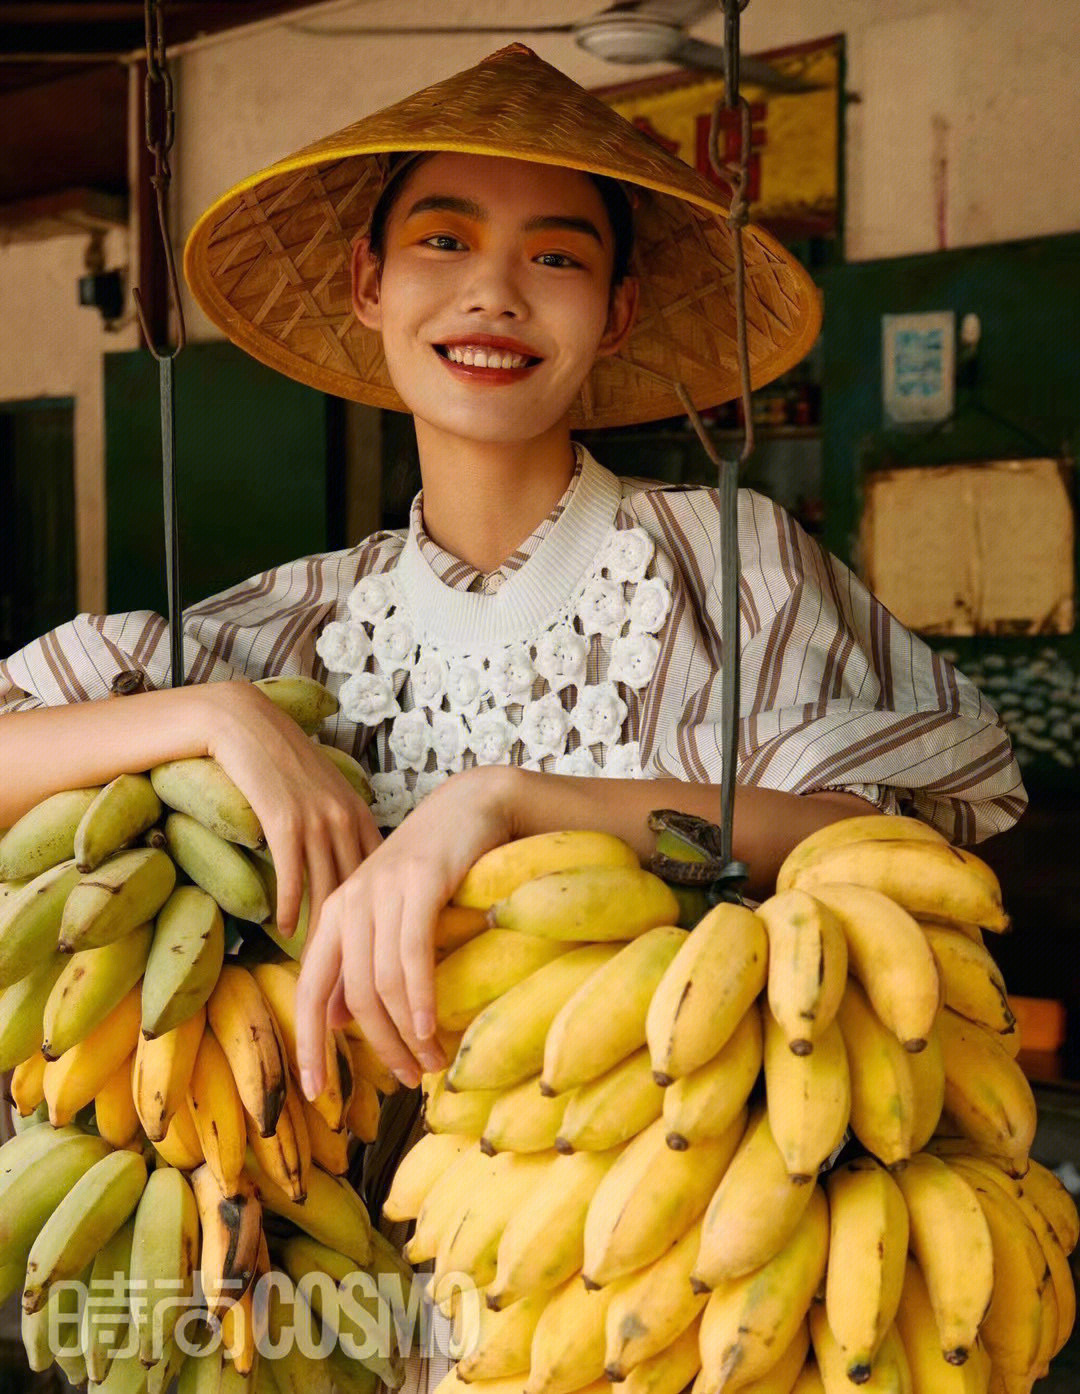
x=371, y=954
x=314, y=821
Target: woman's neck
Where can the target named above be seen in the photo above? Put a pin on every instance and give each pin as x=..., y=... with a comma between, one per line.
x=482, y=500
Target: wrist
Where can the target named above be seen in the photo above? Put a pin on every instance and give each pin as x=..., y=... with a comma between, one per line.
x=499, y=793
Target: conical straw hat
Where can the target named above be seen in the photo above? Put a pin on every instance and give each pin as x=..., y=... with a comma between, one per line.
x=269, y=261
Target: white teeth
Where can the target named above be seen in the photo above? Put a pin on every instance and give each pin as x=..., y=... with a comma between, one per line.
x=484, y=357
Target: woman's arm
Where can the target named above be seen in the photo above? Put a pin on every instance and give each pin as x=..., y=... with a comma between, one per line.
x=371, y=955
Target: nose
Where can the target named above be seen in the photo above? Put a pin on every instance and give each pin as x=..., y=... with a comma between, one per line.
x=492, y=287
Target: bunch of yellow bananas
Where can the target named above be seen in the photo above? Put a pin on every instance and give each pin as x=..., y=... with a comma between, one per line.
x=654, y=1151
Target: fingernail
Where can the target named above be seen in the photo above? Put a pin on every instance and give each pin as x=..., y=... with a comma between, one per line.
x=425, y=1025
x=307, y=1083
x=409, y=1078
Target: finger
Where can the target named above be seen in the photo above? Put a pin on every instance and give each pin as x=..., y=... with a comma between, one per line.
x=346, y=841
x=390, y=979
x=319, y=972
x=337, y=1013
x=367, y=1010
x=323, y=879
x=418, y=969
x=287, y=854
x=370, y=836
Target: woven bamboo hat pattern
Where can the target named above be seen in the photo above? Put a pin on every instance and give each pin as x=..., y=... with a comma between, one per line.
x=269, y=262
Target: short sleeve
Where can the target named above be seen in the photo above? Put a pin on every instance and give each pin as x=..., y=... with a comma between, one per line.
x=835, y=693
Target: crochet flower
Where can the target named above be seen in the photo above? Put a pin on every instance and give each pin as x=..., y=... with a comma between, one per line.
x=511, y=675
x=602, y=607
x=429, y=674
x=427, y=783
x=367, y=699
x=627, y=554
x=449, y=740
x=393, y=644
x=623, y=761
x=599, y=714
x=371, y=598
x=560, y=658
x=633, y=660
x=544, y=725
x=491, y=738
x=580, y=762
x=650, y=605
x=410, y=739
x=392, y=799
x=464, y=688
x=343, y=646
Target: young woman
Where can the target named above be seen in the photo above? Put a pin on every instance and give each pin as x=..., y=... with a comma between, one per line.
x=540, y=650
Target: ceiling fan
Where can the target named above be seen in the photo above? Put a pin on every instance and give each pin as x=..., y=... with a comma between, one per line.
x=629, y=31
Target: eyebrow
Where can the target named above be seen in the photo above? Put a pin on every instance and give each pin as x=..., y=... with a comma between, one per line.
x=468, y=208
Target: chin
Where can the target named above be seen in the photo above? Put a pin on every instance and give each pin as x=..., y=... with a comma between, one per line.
x=490, y=423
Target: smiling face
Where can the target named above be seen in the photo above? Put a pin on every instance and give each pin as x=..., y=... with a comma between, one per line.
x=494, y=295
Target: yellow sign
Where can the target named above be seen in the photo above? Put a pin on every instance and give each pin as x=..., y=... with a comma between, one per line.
x=795, y=137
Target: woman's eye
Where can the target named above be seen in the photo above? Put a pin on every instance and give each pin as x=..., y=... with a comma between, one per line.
x=557, y=259
x=443, y=242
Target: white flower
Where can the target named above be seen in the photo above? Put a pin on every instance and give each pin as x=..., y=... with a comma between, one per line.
x=560, y=658
x=623, y=762
x=428, y=783
x=649, y=607
x=392, y=798
x=511, y=675
x=633, y=660
x=627, y=554
x=410, y=739
x=367, y=699
x=463, y=688
x=544, y=725
x=599, y=714
x=449, y=740
x=602, y=607
x=343, y=646
x=580, y=762
x=491, y=738
x=371, y=598
x=393, y=644
x=429, y=679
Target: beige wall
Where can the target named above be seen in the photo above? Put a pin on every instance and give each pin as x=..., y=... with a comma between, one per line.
x=966, y=109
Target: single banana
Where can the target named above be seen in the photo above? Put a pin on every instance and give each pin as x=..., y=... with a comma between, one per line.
x=201, y=788
x=672, y=1369
x=180, y=1147
x=986, y=1091
x=292, y=945
x=463, y=1111
x=496, y=1344
x=32, y=1190
x=471, y=977
x=521, y=1119
x=74, y=1079
x=865, y=828
x=778, y=1379
x=888, y=953
x=87, y=1217
x=92, y=983
x=125, y=891
x=45, y=835
x=890, y=1375
x=567, y=1351
x=126, y=1375
x=603, y=1022
x=972, y=981
x=442, y=1202
x=105, y=1329
x=809, y=1098
x=277, y=983
x=418, y=1171
x=611, y=1109
x=185, y=960
x=706, y=991
x=114, y=1108
x=498, y=873
x=22, y=1006
x=365, y=1063
x=286, y=1155
x=30, y=922
x=164, y=1253
x=456, y=925
x=927, y=1069
x=307, y=701
x=121, y=812
x=28, y=1085
x=352, y=770
x=868, y=1244
x=649, y=1198
x=364, y=1111
x=238, y=1334
x=333, y=1213
x=231, y=1227
x=223, y=870
x=703, y=1103
x=754, y=1211
x=589, y=903
x=505, y=1043
x=950, y=1240
x=1045, y=1190
x=543, y=1241
x=931, y=1373
x=161, y=1374
x=163, y=1068
x=217, y=1113
x=882, y=1090
x=329, y=1149
x=926, y=878
x=352, y=1316
x=241, y=1019
x=652, y=1308
x=25, y=1148
x=53, y=1334
x=749, y=1322
x=808, y=962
